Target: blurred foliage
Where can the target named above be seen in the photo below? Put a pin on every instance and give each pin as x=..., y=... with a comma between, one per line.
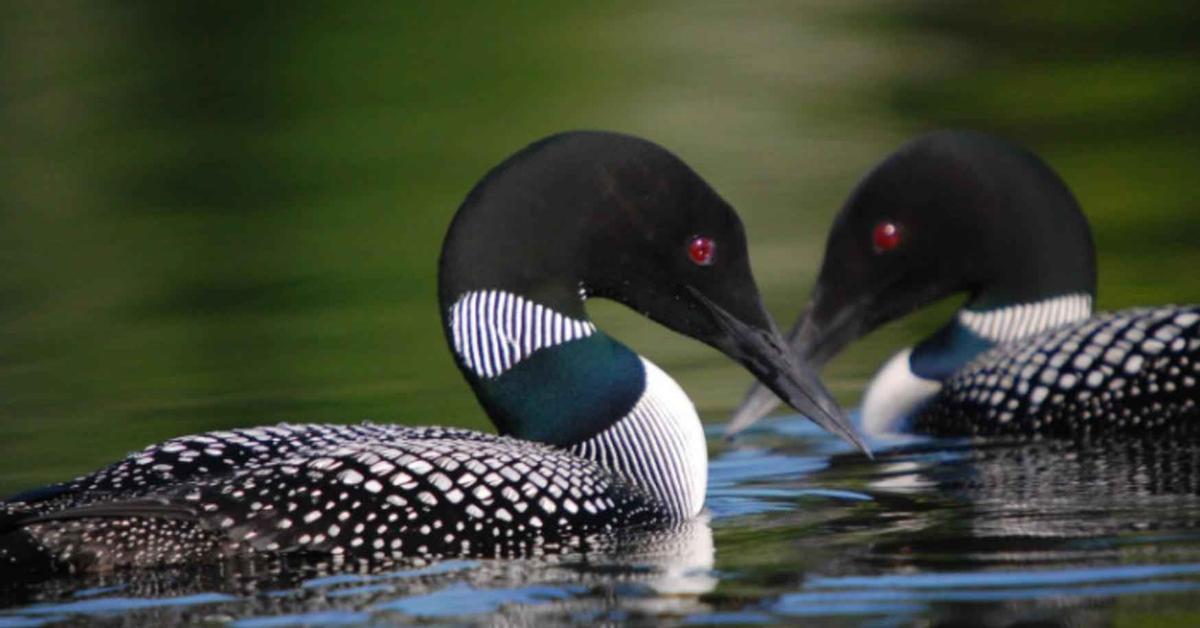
x=225, y=214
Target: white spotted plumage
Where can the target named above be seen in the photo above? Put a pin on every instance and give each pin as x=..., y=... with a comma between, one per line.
x=383, y=491
x=1133, y=370
x=357, y=490
x=896, y=393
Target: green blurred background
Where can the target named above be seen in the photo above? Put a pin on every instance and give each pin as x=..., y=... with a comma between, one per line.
x=225, y=214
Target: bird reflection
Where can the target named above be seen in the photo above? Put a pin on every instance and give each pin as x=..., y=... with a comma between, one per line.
x=1008, y=509
x=638, y=572
x=1054, y=489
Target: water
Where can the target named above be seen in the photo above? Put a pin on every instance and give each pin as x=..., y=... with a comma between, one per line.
x=798, y=528
x=224, y=216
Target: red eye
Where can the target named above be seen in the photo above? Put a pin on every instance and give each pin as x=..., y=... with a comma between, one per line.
x=886, y=236
x=702, y=250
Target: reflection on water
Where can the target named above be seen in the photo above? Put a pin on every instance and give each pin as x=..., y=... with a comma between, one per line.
x=995, y=532
x=800, y=527
x=663, y=572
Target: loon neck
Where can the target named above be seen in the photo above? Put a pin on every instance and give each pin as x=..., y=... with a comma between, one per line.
x=977, y=328
x=549, y=377
x=1015, y=321
x=913, y=377
x=658, y=445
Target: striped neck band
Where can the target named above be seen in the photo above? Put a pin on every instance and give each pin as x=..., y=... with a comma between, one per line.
x=1014, y=322
x=493, y=330
x=659, y=446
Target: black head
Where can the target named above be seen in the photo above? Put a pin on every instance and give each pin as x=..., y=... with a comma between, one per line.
x=619, y=217
x=949, y=212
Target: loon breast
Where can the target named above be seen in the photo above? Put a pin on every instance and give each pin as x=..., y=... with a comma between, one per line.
x=658, y=446
x=911, y=380
x=895, y=395
x=1132, y=371
x=362, y=492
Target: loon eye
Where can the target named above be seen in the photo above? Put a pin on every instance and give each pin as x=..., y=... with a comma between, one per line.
x=702, y=250
x=886, y=236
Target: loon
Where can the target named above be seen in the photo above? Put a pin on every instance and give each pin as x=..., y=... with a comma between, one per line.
x=959, y=212
x=593, y=437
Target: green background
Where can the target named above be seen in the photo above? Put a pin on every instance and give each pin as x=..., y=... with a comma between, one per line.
x=229, y=214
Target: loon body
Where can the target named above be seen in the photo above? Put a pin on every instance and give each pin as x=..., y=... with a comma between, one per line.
x=963, y=213
x=1132, y=371
x=373, y=491
x=593, y=437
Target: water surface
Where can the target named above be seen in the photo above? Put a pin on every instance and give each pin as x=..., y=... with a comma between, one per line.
x=798, y=527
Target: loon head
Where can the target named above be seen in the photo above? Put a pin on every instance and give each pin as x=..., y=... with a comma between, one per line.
x=596, y=214
x=950, y=212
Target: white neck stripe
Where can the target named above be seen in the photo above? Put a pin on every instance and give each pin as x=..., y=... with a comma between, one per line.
x=493, y=330
x=659, y=446
x=1019, y=321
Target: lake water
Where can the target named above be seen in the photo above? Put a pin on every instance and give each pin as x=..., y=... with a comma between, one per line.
x=225, y=216
x=798, y=528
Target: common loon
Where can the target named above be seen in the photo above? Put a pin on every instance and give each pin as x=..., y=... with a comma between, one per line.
x=593, y=437
x=962, y=212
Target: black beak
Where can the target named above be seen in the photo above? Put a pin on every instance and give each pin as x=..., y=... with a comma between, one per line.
x=764, y=352
x=813, y=342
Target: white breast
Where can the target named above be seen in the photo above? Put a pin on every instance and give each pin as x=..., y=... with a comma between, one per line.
x=659, y=446
x=894, y=395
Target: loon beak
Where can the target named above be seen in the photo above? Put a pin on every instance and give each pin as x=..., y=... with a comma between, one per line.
x=812, y=343
x=765, y=353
